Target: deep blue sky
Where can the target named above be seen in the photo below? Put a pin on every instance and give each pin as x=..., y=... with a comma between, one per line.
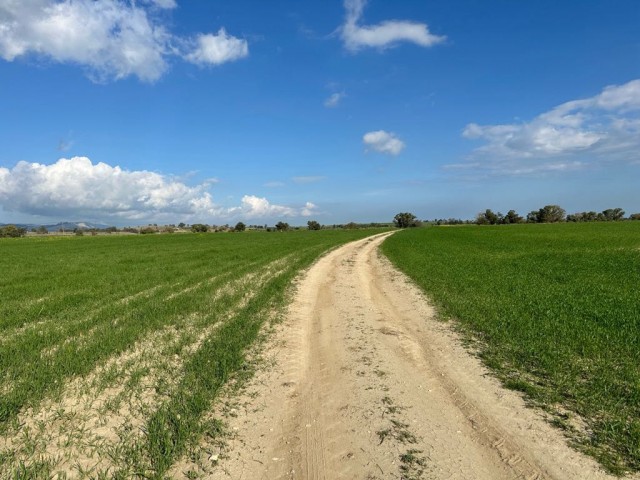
x=329, y=110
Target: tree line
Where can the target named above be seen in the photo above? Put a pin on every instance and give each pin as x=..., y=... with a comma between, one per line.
x=553, y=214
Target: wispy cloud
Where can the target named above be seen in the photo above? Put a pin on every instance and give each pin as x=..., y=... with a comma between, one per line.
x=567, y=137
x=334, y=99
x=77, y=188
x=384, y=142
x=309, y=179
x=274, y=184
x=111, y=39
x=384, y=35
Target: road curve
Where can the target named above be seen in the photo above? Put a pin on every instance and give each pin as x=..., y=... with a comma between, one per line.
x=365, y=383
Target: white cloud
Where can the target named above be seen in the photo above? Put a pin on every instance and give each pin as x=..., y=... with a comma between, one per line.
x=384, y=142
x=165, y=4
x=217, y=49
x=606, y=126
x=112, y=39
x=334, y=100
x=259, y=207
x=76, y=188
x=309, y=209
x=385, y=34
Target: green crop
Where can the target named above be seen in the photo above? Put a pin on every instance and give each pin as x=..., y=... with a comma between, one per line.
x=554, y=309
x=156, y=324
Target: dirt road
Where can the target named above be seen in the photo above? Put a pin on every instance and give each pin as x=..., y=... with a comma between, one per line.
x=366, y=384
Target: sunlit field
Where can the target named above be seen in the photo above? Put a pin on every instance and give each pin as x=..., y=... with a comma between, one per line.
x=555, y=309
x=112, y=349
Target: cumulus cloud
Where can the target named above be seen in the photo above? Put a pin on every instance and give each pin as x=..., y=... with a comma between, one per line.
x=259, y=207
x=112, y=39
x=383, y=142
x=605, y=126
x=77, y=188
x=334, y=100
x=384, y=35
x=217, y=49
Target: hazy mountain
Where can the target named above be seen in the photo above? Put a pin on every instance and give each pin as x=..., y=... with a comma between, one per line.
x=66, y=226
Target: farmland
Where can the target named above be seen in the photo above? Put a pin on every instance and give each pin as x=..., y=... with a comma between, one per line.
x=554, y=309
x=112, y=349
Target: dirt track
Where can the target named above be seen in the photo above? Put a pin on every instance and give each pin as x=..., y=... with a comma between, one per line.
x=366, y=384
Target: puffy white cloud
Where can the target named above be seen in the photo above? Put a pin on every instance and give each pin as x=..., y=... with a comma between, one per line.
x=217, y=49
x=309, y=209
x=76, y=188
x=259, y=207
x=385, y=34
x=383, y=142
x=606, y=125
x=334, y=99
x=113, y=39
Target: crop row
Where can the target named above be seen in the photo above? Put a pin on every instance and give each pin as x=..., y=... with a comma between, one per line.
x=112, y=350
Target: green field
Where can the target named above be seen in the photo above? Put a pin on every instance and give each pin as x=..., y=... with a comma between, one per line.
x=113, y=348
x=554, y=309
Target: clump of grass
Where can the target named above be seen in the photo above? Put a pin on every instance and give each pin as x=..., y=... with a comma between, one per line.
x=553, y=309
x=412, y=464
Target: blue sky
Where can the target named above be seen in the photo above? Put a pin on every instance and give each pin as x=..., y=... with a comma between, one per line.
x=127, y=112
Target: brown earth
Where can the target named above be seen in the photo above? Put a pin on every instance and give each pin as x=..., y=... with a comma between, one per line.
x=366, y=383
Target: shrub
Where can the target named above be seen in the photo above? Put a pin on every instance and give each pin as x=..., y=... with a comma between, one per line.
x=405, y=220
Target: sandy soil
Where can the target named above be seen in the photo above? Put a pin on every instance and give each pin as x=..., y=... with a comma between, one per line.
x=367, y=384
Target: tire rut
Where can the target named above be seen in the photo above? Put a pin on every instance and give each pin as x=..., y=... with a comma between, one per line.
x=368, y=384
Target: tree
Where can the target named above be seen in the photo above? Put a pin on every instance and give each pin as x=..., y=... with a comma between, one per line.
x=240, y=227
x=512, y=217
x=488, y=218
x=12, y=231
x=634, y=216
x=282, y=226
x=532, y=216
x=405, y=220
x=313, y=225
x=551, y=214
x=199, y=228
x=41, y=230
x=111, y=229
x=613, y=214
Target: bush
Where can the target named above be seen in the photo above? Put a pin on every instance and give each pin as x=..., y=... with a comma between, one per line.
x=12, y=231
x=405, y=220
x=199, y=228
x=240, y=227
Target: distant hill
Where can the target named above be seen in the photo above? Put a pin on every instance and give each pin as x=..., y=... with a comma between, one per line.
x=66, y=226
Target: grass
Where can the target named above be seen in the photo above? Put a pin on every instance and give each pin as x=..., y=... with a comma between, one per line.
x=147, y=328
x=554, y=309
